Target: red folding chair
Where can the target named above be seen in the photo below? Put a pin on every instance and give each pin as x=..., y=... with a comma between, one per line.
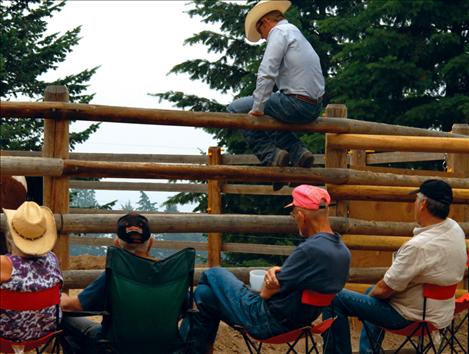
x=419, y=329
x=31, y=301
x=291, y=338
x=449, y=334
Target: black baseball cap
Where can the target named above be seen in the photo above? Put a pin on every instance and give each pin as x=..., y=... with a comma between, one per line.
x=133, y=228
x=436, y=189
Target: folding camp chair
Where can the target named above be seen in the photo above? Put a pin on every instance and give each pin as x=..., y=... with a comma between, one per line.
x=449, y=338
x=31, y=301
x=291, y=338
x=145, y=300
x=420, y=329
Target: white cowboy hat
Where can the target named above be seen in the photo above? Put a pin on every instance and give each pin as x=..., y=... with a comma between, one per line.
x=258, y=11
x=13, y=191
x=32, y=228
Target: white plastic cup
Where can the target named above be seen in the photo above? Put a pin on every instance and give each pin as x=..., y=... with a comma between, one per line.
x=256, y=279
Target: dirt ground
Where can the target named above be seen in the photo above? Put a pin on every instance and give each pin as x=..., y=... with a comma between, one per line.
x=229, y=341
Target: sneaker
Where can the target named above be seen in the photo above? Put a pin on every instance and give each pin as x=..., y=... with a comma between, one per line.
x=281, y=158
x=306, y=159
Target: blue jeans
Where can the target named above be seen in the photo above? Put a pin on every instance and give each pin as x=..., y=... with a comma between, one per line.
x=376, y=313
x=287, y=109
x=220, y=296
x=82, y=334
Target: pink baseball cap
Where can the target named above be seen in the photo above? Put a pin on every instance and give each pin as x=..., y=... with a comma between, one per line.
x=309, y=197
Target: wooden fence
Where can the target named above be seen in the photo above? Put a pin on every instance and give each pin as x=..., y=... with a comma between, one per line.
x=352, y=182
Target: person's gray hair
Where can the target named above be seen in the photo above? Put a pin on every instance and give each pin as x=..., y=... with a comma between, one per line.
x=434, y=207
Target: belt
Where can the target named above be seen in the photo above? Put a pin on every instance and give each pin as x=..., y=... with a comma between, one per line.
x=307, y=99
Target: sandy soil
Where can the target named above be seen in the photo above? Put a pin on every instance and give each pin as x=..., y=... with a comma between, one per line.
x=229, y=341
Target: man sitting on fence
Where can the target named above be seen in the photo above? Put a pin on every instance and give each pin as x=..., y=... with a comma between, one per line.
x=436, y=255
x=320, y=263
x=290, y=63
x=134, y=235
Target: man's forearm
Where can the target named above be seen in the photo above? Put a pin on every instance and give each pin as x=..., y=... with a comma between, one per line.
x=70, y=303
x=381, y=290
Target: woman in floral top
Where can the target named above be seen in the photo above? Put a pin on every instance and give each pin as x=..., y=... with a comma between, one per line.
x=30, y=267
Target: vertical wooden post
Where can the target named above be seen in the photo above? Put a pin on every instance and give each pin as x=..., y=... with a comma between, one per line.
x=459, y=164
x=336, y=158
x=214, y=207
x=56, y=189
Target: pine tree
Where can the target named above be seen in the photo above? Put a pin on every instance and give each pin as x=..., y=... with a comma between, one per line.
x=26, y=53
x=83, y=198
x=403, y=62
x=127, y=206
x=145, y=204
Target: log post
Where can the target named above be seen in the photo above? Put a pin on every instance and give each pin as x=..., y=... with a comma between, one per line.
x=214, y=207
x=336, y=158
x=56, y=189
x=459, y=165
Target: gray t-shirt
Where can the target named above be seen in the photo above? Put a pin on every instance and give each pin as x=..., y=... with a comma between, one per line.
x=435, y=255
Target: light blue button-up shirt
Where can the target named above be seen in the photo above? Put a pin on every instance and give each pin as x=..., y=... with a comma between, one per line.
x=290, y=62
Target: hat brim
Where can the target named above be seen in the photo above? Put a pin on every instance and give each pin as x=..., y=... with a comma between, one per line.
x=13, y=190
x=289, y=205
x=414, y=191
x=257, y=12
x=40, y=246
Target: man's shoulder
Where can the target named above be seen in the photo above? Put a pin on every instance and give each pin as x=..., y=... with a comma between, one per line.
x=284, y=28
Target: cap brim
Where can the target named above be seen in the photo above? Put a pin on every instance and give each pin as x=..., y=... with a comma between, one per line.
x=415, y=191
x=257, y=12
x=37, y=247
x=289, y=205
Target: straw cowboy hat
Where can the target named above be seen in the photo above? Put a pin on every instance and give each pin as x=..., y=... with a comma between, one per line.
x=261, y=9
x=13, y=191
x=32, y=228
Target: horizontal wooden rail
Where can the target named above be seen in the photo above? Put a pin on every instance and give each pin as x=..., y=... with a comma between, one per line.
x=384, y=193
x=399, y=143
x=35, y=166
x=88, y=112
x=241, y=159
x=344, y=192
x=79, y=279
x=353, y=242
x=396, y=157
x=235, y=223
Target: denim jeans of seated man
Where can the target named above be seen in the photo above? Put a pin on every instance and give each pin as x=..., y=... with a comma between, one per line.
x=287, y=109
x=82, y=334
x=220, y=296
x=376, y=313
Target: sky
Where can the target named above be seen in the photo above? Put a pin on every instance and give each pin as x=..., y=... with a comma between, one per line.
x=135, y=43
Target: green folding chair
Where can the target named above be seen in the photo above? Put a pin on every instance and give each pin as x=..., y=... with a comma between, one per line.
x=146, y=300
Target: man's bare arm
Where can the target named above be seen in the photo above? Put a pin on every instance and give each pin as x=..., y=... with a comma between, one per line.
x=268, y=293
x=382, y=291
x=70, y=303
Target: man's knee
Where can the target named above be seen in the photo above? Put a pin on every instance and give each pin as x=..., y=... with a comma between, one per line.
x=203, y=294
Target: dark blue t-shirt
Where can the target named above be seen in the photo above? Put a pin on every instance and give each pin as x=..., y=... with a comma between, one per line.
x=93, y=296
x=321, y=263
